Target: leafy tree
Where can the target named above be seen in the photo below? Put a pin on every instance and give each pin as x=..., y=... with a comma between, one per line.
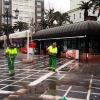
x=43, y=24
x=51, y=16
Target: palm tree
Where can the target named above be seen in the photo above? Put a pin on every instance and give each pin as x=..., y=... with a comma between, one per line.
x=21, y=25
x=85, y=6
x=61, y=18
x=96, y=4
x=4, y=28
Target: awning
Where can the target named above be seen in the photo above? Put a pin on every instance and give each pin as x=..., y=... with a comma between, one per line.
x=77, y=29
x=22, y=34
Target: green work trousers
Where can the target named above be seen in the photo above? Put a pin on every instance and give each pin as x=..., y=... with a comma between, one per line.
x=52, y=62
x=11, y=64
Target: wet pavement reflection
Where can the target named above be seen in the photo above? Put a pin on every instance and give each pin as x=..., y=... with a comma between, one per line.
x=76, y=80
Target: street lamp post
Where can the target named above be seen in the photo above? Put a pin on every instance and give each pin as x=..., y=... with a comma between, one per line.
x=7, y=15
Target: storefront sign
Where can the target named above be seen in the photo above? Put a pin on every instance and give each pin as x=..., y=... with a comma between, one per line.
x=72, y=54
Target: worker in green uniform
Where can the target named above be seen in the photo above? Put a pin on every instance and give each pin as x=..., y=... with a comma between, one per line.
x=11, y=53
x=52, y=51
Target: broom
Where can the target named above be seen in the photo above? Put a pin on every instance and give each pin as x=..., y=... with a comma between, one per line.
x=63, y=98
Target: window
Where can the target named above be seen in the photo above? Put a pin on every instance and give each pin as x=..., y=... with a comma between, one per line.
x=20, y=18
x=93, y=47
x=38, y=20
x=82, y=46
x=69, y=44
x=38, y=9
x=26, y=7
x=80, y=15
x=15, y=6
x=26, y=18
x=31, y=13
x=38, y=14
x=26, y=1
x=93, y=44
x=20, y=6
x=65, y=46
x=39, y=3
x=20, y=0
x=6, y=22
x=31, y=7
x=6, y=18
x=15, y=0
x=32, y=2
x=74, y=16
x=20, y=12
x=26, y=12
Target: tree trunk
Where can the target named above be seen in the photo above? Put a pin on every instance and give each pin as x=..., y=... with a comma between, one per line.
x=85, y=13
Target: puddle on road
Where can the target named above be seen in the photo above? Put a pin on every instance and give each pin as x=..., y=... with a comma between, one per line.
x=62, y=87
x=1, y=85
x=2, y=96
x=79, y=88
x=22, y=83
x=7, y=82
x=29, y=80
x=77, y=95
x=55, y=93
x=12, y=88
x=94, y=97
x=95, y=90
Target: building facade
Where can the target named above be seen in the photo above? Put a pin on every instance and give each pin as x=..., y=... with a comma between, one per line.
x=76, y=14
x=28, y=9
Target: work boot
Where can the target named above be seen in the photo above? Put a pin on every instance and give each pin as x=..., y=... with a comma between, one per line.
x=49, y=69
x=12, y=74
x=53, y=70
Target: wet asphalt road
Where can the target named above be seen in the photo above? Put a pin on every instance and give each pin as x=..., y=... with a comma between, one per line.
x=76, y=81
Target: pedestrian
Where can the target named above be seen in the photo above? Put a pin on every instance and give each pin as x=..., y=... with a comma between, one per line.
x=11, y=53
x=52, y=51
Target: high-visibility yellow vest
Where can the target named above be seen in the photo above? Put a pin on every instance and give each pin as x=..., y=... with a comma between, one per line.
x=11, y=51
x=52, y=50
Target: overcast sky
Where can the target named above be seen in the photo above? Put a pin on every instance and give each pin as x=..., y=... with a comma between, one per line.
x=58, y=5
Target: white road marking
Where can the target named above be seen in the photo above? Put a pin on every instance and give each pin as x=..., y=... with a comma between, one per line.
x=6, y=92
x=7, y=64
x=50, y=97
x=89, y=91
x=67, y=91
x=49, y=74
x=67, y=72
x=64, y=65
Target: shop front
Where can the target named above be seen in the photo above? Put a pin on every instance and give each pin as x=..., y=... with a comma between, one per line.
x=83, y=36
